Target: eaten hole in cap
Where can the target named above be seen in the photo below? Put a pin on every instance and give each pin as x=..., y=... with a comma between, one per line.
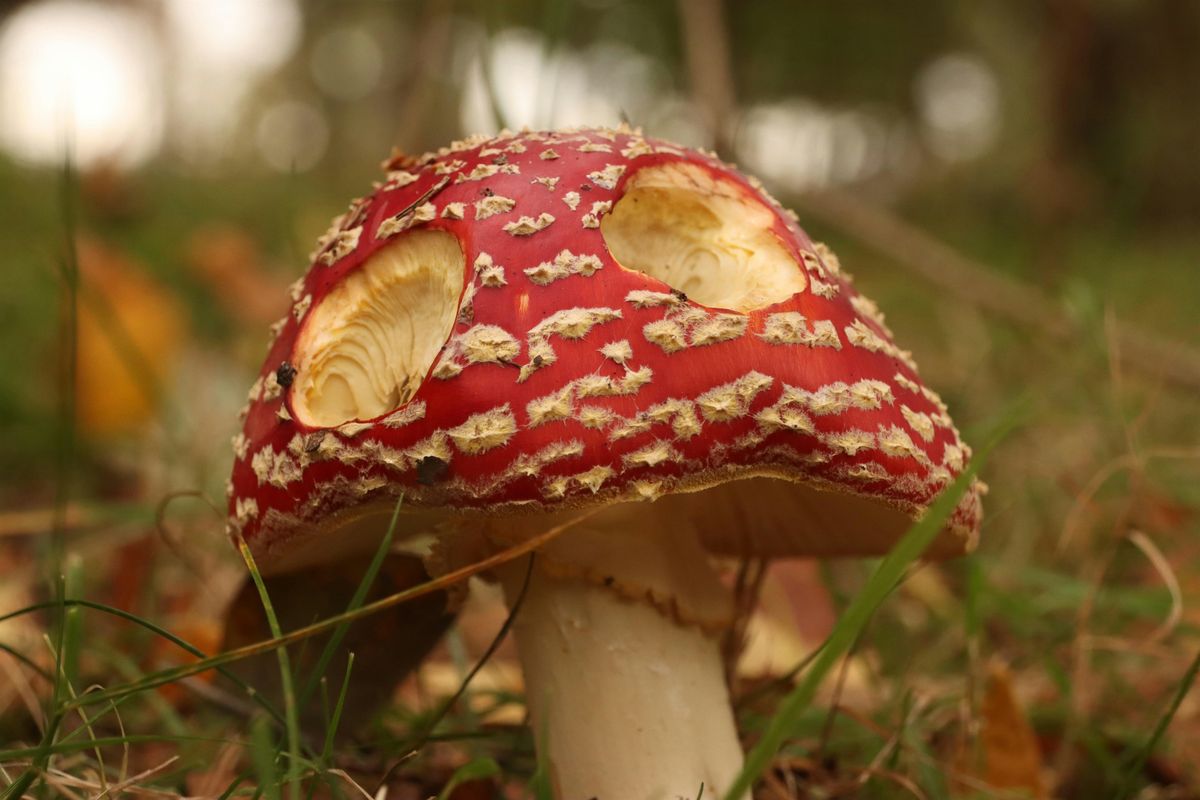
x=366, y=347
x=702, y=235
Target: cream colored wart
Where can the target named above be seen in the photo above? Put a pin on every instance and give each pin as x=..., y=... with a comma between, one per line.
x=703, y=235
x=367, y=346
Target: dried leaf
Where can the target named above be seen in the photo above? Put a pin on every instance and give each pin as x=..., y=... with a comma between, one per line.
x=130, y=330
x=231, y=264
x=1009, y=753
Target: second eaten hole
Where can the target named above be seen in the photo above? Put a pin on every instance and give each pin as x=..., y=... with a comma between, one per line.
x=703, y=235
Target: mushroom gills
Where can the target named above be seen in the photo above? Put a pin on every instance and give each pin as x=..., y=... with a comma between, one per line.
x=366, y=347
x=703, y=235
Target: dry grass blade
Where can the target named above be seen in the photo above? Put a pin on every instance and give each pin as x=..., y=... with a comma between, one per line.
x=341, y=773
x=1152, y=644
x=115, y=789
x=1129, y=461
x=23, y=688
x=61, y=780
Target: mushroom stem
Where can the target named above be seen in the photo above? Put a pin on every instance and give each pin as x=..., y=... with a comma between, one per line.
x=627, y=702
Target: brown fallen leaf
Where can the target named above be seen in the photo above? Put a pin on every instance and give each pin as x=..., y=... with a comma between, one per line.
x=202, y=633
x=133, y=563
x=231, y=264
x=799, y=583
x=1008, y=756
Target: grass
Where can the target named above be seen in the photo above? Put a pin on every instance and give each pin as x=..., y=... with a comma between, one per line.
x=1139, y=755
x=291, y=720
x=850, y=626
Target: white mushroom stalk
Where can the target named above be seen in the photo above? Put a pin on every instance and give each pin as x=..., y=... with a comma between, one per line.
x=618, y=634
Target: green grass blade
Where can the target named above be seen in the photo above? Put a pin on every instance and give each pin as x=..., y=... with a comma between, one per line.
x=153, y=680
x=478, y=769
x=21, y=785
x=1138, y=763
x=64, y=747
x=89, y=728
x=65, y=445
x=72, y=638
x=262, y=756
x=291, y=715
x=237, y=781
x=848, y=628
x=65, y=429
x=28, y=662
x=539, y=782
x=972, y=614
x=360, y=597
x=168, y=717
x=336, y=718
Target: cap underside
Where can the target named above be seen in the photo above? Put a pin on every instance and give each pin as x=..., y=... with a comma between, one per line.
x=757, y=516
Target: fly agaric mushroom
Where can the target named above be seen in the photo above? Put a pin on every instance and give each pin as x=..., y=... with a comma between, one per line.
x=513, y=330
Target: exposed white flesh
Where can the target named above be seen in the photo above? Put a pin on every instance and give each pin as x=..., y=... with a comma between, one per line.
x=702, y=235
x=627, y=702
x=365, y=348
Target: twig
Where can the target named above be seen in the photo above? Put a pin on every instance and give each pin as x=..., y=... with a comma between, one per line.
x=709, y=66
x=923, y=255
x=427, y=729
x=750, y=578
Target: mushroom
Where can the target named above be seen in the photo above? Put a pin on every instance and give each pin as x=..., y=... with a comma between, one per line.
x=599, y=328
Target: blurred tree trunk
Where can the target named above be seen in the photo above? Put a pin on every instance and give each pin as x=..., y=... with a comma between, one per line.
x=1168, y=64
x=1077, y=81
x=1122, y=121
x=710, y=68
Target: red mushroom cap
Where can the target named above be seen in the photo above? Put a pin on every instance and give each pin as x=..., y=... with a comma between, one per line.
x=569, y=380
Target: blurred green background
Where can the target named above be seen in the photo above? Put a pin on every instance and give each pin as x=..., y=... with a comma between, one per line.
x=1017, y=184
x=1054, y=142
